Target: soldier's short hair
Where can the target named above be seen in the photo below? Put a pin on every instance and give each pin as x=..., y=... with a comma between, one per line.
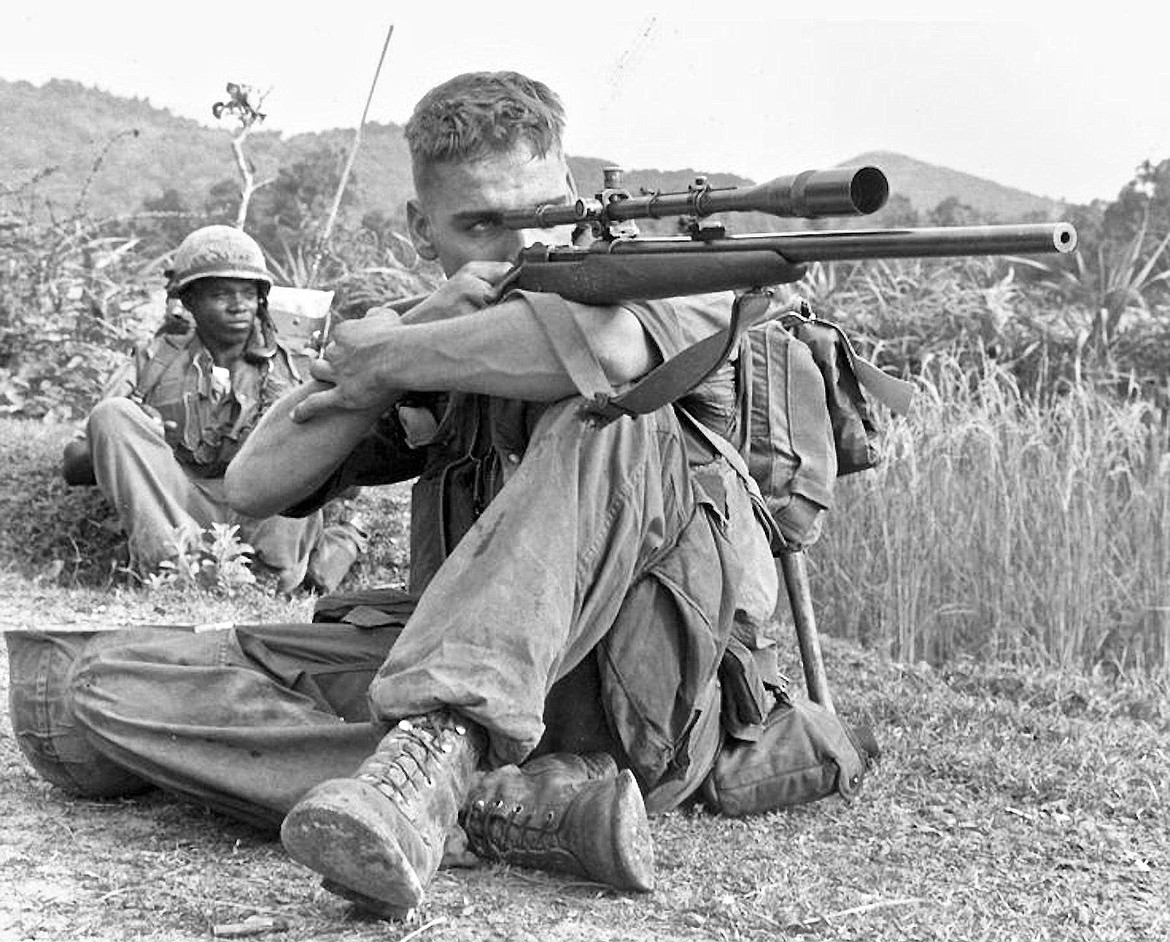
x=477, y=114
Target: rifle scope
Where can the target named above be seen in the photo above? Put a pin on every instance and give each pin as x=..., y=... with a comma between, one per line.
x=841, y=191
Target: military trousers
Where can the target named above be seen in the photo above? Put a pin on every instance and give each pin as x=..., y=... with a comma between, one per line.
x=588, y=607
x=153, y=494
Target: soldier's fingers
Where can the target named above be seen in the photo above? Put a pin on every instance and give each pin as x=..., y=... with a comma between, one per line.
x=321, y=369
x=317, y=404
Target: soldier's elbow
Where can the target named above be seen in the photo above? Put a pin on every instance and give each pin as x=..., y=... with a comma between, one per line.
x=241, y=489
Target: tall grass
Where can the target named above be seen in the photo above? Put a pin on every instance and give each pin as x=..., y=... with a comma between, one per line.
x=1020, y=528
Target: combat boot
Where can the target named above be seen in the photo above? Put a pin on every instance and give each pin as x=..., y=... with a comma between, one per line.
x=377, y=837
x=567, y=813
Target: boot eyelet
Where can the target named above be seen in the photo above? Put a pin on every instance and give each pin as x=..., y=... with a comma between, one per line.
x=517, y=809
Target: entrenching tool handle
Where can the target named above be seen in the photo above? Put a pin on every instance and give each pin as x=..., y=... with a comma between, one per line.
x=792, y=568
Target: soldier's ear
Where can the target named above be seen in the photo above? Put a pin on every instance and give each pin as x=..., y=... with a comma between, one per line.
x=421, y=231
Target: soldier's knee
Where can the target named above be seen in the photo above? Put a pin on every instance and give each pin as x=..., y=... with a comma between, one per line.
x=43, y=708
x=109, y=415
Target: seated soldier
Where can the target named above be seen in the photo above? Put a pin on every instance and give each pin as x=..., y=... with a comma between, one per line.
x=172, y=417
x=591, y=624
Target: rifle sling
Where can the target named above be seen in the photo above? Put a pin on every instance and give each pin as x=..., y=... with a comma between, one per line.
x=674, y=378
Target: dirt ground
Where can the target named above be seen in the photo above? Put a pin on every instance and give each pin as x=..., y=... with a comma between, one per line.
x=1007, y=806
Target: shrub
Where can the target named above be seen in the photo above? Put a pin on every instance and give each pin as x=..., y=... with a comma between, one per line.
x=51, y=529
x=905, y=314
x=73, y=302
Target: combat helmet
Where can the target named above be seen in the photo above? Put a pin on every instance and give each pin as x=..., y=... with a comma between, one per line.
x=217, y=252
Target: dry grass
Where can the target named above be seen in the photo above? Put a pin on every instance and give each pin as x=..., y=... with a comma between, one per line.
x=1007, y=529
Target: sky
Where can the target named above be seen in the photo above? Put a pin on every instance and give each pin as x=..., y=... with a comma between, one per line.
x=1059, y=99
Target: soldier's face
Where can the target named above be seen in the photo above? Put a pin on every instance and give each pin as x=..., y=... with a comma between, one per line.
x=223, y=309
x=456, y=219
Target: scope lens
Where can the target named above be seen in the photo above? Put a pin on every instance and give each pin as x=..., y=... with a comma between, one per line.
x=869, y=190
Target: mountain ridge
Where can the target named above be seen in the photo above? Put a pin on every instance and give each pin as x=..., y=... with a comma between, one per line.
x=77, y=143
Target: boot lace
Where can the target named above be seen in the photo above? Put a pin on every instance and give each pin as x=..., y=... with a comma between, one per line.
x=417, y=744
x=500, y=829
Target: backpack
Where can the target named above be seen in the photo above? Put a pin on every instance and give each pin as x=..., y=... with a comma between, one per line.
x=795, y=417
x=780, y=430
x=797, y=420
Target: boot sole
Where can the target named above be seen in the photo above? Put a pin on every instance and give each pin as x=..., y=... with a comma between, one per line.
x=635, y=856
x=367, y=904
x=344, y=830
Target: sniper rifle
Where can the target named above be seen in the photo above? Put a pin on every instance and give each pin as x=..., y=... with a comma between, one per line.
x=618, y=265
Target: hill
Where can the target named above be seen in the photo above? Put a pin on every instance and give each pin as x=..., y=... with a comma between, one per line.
x=926, y=185
x=62, y=129
x=73, y=140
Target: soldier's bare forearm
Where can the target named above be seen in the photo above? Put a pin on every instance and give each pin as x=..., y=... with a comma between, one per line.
x=282, y=462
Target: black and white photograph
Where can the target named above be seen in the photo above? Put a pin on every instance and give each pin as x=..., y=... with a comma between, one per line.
x=584, y=472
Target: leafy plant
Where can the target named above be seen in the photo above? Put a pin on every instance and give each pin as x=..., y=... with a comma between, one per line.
x=73, y=303
x=213, y=559
x=1112, y=282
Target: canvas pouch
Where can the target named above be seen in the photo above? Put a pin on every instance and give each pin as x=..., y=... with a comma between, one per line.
x=844, y=373
x=804, y=753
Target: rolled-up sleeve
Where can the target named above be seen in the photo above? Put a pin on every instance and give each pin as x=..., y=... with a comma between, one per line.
x=673, y=324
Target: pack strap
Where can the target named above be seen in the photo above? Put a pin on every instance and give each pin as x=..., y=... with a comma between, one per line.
x=664, y=384
x=775, y=534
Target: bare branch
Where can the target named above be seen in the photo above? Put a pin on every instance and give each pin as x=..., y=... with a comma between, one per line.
x=245, y=103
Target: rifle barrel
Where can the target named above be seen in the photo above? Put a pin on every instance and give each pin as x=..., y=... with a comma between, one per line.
x=851, y=244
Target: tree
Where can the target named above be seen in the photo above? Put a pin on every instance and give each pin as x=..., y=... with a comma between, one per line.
x=244, y=103
x=166, y=219
x=1143, y=201
x=221, y=202
x=953, y=212
x=898, y=213
x=288, y=217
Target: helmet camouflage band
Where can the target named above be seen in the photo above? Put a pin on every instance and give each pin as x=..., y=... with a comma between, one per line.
x=217, y=252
